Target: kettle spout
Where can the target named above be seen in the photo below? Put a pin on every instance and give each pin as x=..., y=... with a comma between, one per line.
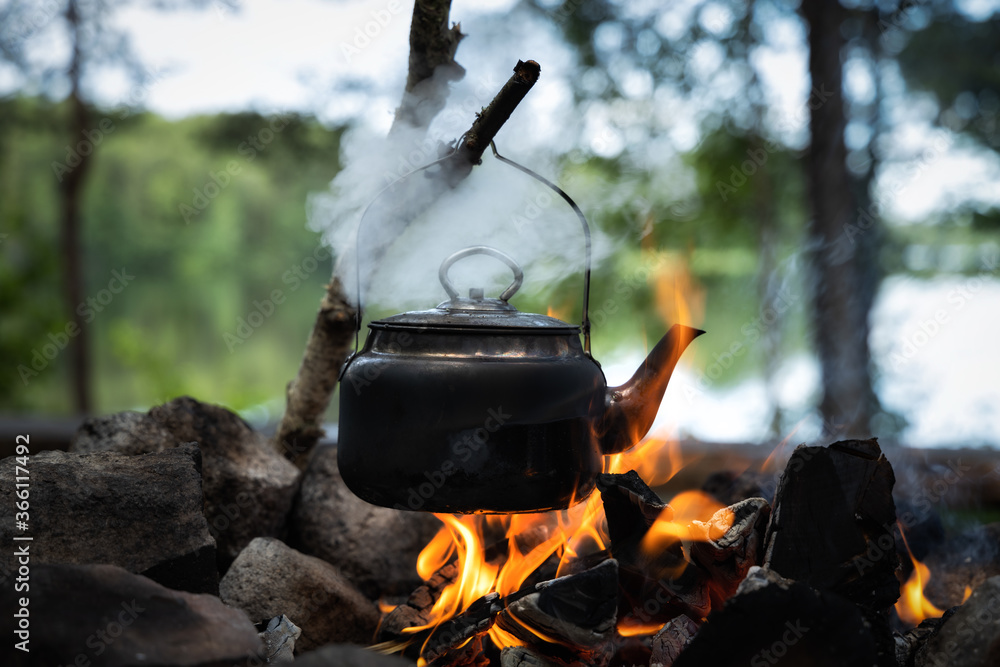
x=629, y=410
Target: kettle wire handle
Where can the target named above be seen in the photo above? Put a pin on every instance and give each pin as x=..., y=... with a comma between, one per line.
x=585, y=325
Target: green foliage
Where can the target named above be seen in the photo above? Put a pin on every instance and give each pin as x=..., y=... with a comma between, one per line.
x=174, y=328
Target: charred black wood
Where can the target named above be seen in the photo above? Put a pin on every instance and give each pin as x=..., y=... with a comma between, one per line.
x=475, y=620
x=908, y=643
x=652, y=583
x=576, y=610
x=416, y=610
x=630, y=507
x=772, y=620
x=832, y=522
x=671, y=640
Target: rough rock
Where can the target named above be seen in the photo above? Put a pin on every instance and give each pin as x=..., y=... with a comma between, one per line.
x=142, y=513
x=269, y=578
x=123, y=432
x=249, y=488
x=971, y=637
x=376, y=547
x=104, y=615
x=345, y=655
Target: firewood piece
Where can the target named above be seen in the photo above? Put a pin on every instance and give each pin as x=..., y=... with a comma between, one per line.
x=416, y=610
x=833, y=512
x=475, y=620
x=772, y=620
x=579, y=609
x=671, y=640
x=648, y=581
x=630, y=507
x=728, y=558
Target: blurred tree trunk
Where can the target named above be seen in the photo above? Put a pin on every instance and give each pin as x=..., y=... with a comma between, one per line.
x=840, y=304
x=71, y=192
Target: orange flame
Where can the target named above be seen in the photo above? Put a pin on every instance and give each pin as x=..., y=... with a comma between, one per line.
x=912, y=606
x=693, y=516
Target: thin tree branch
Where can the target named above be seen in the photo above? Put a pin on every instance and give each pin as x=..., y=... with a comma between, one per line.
x=432, y=65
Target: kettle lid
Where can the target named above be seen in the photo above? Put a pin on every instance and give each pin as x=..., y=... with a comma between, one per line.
x=477, y=311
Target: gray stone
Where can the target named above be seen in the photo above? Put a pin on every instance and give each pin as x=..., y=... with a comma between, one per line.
x=376, y=547
x=142, y=513
x=249, y=488
x=345, y=655
x=123, y=432
x=104, y=615
x=269, y=579
x=971, y=637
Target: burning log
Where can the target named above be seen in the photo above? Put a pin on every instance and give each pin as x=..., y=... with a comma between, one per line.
x=417, y=609
x=474, y=621
x=579, y=610
x=630, y=507
x=728, y=558
x=648, y=538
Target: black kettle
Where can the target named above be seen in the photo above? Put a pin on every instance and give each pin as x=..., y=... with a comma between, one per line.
x=474, y=406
